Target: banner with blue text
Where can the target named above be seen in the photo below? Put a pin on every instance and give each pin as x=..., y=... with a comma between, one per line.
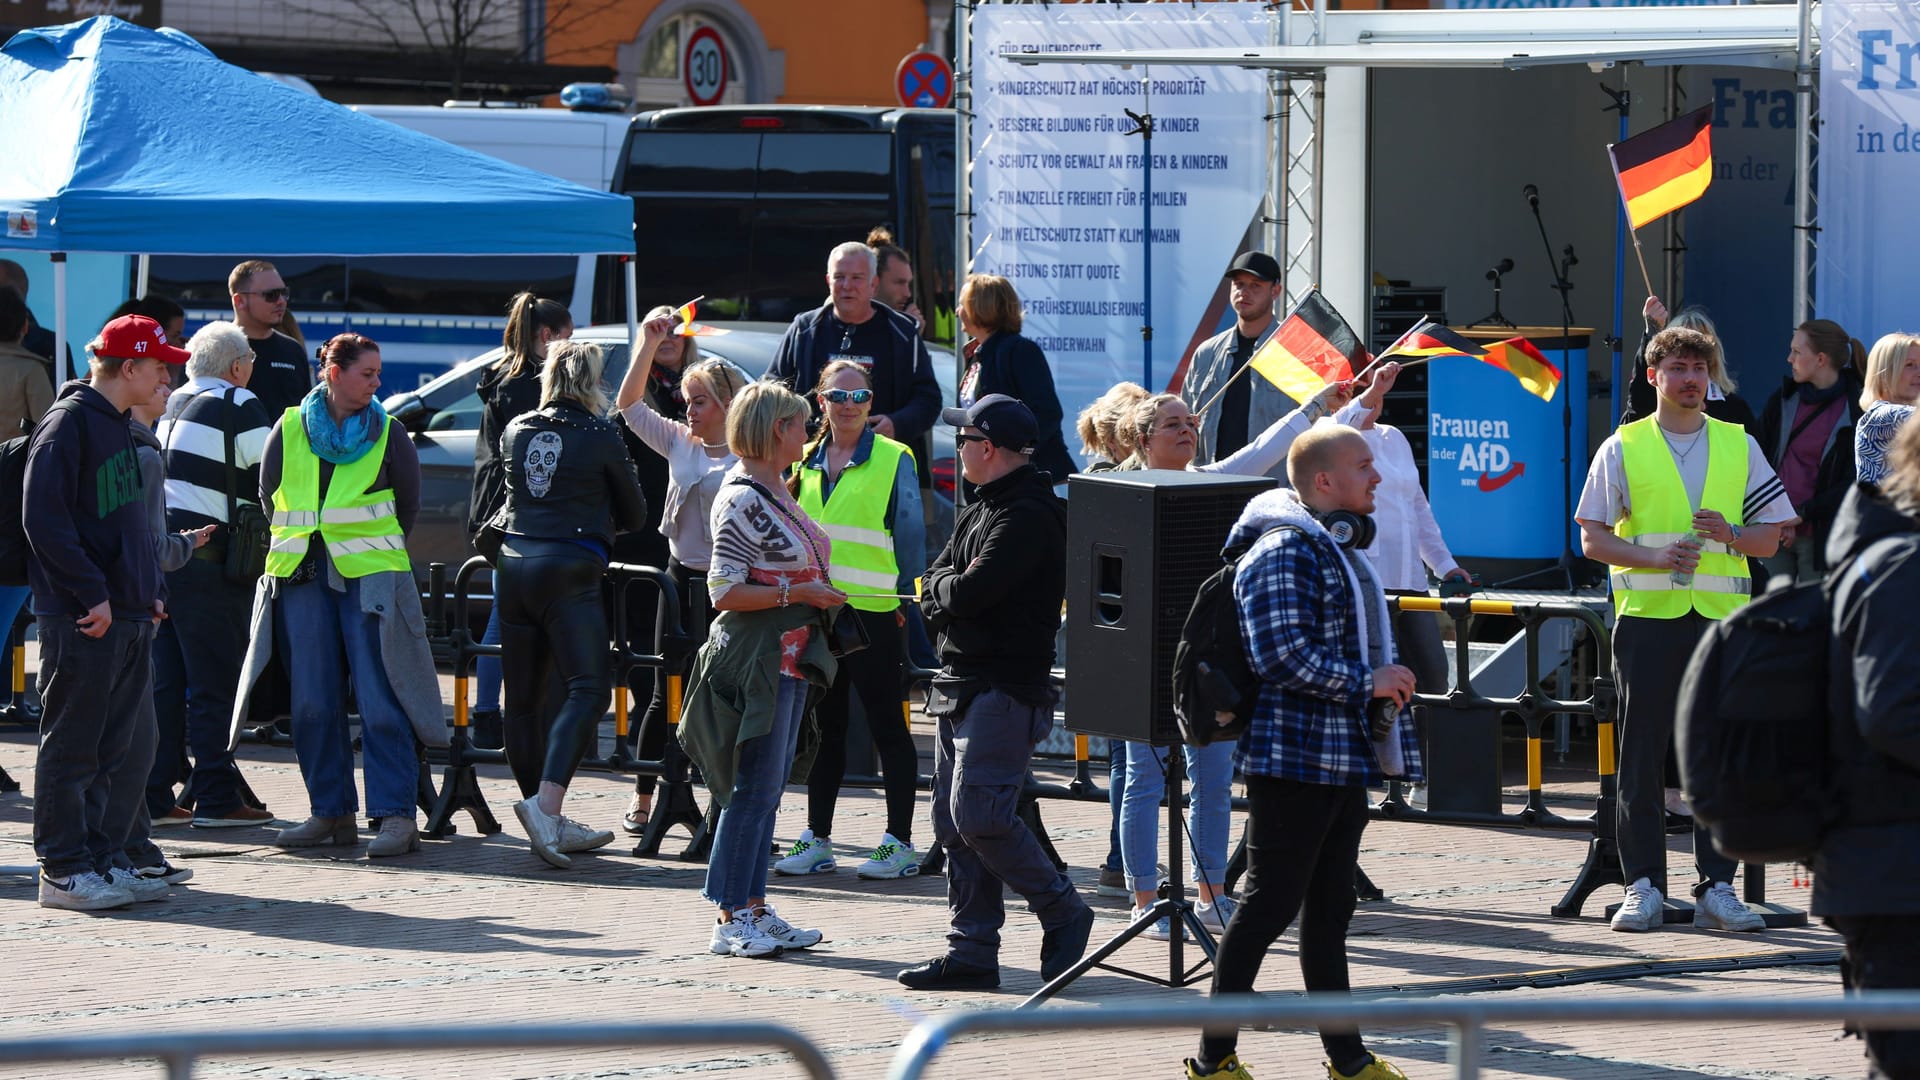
x=1869, y=166
x=1058, y=183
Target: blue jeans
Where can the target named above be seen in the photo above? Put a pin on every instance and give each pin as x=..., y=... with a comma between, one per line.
x=323, y=635
x=486, y=669
x=737, y=867
x=1116, y=793
x=12, y=599
x=1210, y=790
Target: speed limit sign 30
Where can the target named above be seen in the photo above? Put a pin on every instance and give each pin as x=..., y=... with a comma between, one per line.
x=703, y=66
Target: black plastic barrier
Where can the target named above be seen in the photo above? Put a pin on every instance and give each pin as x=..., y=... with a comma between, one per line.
x=1533, y=706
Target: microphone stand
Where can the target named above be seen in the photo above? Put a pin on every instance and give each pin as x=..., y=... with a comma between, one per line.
x=1497, y=318
x=1569, y=559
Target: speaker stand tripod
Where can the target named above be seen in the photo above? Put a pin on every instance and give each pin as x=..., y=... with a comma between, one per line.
x=1172, y=905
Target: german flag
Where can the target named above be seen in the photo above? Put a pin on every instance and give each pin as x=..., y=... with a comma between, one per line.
x=685, y=314
x=1312, y=348
x=1431, y=341
x=1662, y=170
x=1518, y=357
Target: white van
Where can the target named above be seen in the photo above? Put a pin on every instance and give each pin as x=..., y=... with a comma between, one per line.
x=583, y=147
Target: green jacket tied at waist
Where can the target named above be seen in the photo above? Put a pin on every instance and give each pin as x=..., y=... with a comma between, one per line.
x=735, y=677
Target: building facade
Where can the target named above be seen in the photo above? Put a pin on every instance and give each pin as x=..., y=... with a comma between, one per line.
x=831, y=52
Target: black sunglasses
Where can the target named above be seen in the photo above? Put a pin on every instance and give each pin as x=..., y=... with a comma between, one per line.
x=271, y=296
x=963, y=437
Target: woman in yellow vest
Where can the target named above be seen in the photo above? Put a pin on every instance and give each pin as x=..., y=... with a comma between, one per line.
x=861, y=487
x=338, y=598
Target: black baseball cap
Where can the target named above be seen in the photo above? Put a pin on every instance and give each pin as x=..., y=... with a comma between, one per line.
x=1005, y=421
x=1258, y=263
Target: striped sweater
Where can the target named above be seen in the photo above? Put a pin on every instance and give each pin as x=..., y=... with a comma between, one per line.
x=193, y=434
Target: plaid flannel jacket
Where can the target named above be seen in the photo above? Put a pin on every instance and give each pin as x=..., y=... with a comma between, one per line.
x=1297, y=615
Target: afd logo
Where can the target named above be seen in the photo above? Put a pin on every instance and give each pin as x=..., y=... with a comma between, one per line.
x=1482, y=449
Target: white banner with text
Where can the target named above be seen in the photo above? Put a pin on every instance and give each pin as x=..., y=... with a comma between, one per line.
x=1059, y=185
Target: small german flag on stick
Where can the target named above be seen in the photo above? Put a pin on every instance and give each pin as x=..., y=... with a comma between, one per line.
x=1431, y=341
x=1518, y=357
x=1661, y=170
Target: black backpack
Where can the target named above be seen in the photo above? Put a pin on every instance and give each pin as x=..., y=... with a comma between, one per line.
x=14, y=551
x=1210, y=671
x=1753, y=723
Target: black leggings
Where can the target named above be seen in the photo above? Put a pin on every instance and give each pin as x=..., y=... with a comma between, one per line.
x=1303, y=841
x=553, y=625
x=696, y=614
x=875, y=673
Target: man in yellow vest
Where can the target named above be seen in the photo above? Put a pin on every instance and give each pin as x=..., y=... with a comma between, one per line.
x=1674, y=503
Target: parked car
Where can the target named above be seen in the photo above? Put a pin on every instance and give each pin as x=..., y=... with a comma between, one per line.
x=443, y=417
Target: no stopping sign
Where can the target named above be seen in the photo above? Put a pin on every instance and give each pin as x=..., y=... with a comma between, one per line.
x=703, y=66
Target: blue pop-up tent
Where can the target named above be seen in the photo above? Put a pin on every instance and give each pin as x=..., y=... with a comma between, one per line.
x=127, y=140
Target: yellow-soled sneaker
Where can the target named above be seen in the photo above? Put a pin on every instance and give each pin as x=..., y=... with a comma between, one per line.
x=1230, y=1069
x=1377, y=1069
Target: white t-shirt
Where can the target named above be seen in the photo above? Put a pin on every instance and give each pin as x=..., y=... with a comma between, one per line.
x=1409, y=539
x=1604, y=498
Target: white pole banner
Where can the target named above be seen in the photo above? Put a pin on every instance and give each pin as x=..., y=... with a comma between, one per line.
x=1057, y=184
x=1869, y=166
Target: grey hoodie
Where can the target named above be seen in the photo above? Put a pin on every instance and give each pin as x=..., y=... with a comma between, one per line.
x=171, y=548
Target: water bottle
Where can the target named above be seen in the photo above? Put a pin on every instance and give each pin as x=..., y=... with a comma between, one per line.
x=1684, y=578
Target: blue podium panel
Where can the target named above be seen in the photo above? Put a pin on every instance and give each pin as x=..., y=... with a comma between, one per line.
x=1495, y=458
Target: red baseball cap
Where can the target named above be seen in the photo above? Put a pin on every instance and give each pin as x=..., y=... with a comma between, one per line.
x=136, y=337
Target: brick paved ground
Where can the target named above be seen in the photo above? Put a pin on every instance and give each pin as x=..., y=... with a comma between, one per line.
x=475, y=930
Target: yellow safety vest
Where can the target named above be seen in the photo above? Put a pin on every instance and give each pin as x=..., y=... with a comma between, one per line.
x=1658, y=513
x=855, y=518
x=361, y=528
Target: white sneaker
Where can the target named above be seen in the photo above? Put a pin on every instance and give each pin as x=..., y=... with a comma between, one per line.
x=892, y=859
x=1214, y=916
x=808, y=856
x=1719, y=909
x=1159, y=931
x=577, y=837
x=741, y=937
x=1416, y=796
x=86, y=891
x=784, y=932
x=543, y=832
x=1642, y=908
x=144, y=889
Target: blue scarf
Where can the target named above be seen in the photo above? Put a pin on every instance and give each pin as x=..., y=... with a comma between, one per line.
x=341, y=444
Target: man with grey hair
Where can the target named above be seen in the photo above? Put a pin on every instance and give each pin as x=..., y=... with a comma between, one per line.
x=852, y=325
x=212, y=437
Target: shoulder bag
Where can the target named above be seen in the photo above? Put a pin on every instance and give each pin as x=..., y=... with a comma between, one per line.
x=248, y=535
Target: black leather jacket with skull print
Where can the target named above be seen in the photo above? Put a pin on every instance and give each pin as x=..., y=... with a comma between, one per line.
x=569, y=477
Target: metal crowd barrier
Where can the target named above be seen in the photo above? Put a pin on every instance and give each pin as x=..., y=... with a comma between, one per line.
x=1467, y=1016
x=450, y=621
x=180, y=1052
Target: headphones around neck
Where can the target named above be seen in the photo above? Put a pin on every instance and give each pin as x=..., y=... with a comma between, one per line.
x=1350, y=530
